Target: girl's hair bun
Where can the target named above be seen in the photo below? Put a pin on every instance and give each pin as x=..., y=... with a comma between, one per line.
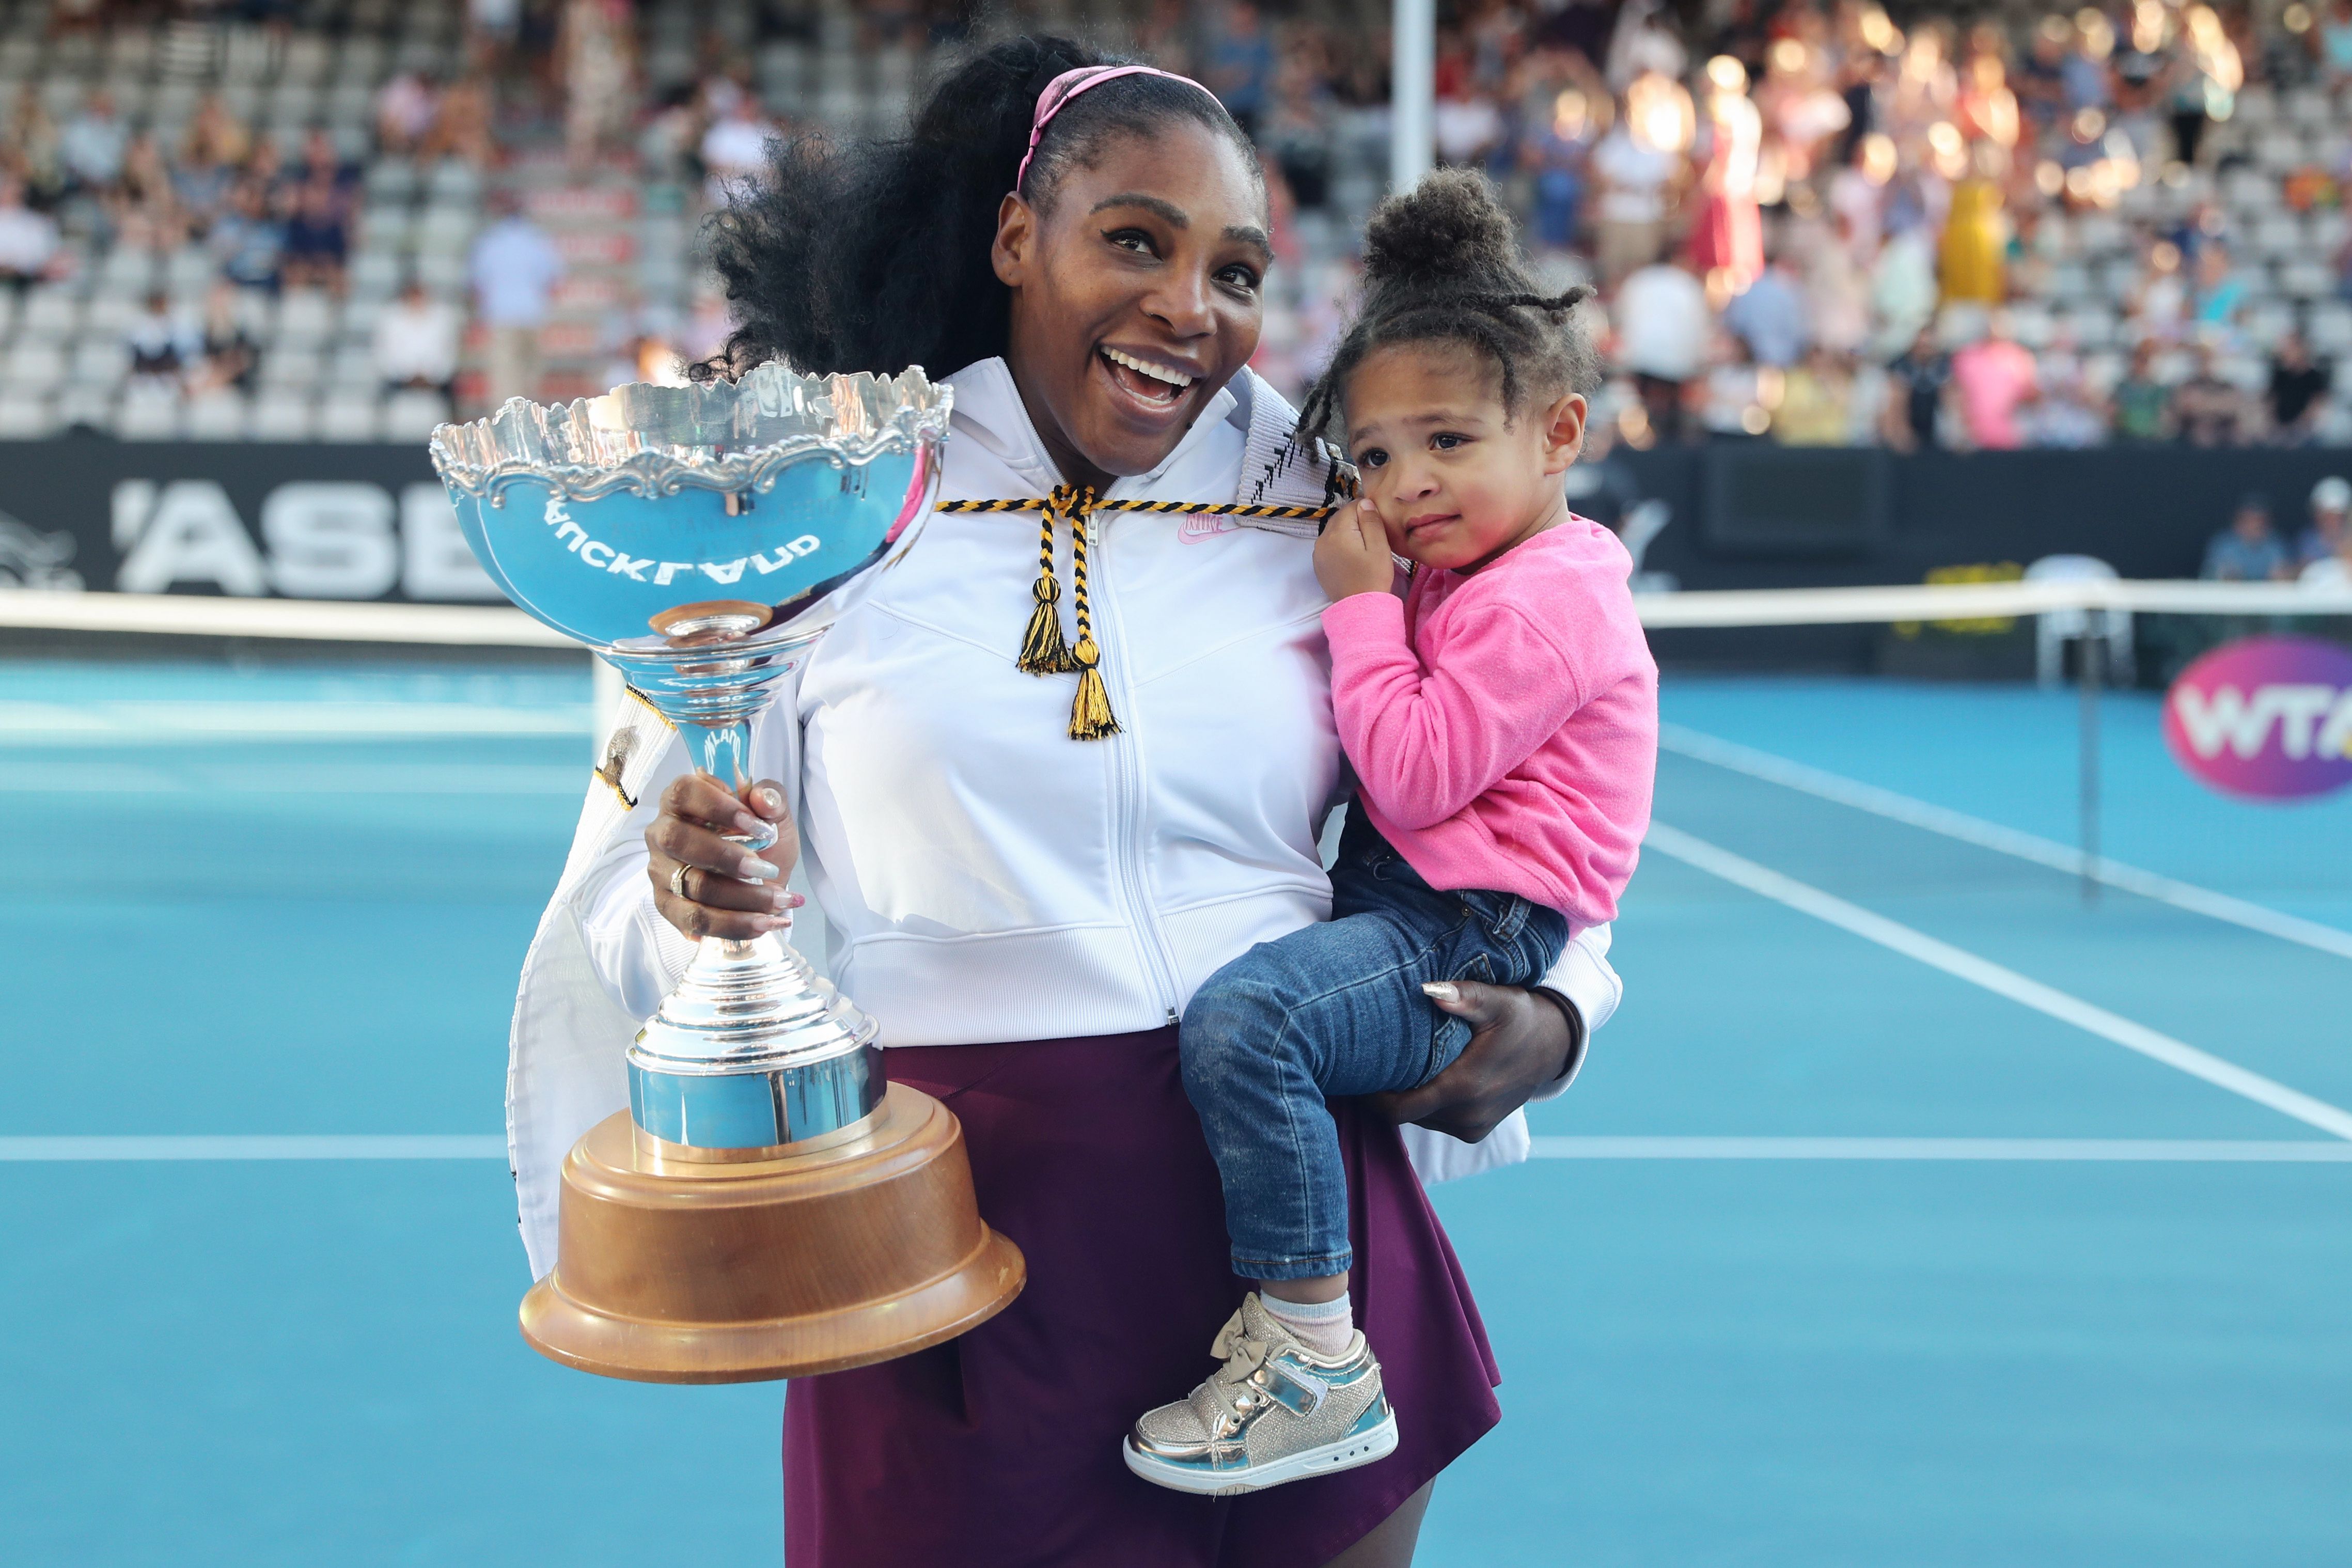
x=1450, y=230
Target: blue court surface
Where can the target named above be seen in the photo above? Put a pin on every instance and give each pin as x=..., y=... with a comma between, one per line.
x=1915, y=1210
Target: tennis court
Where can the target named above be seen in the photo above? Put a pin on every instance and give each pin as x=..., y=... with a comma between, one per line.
x=1914, y=1211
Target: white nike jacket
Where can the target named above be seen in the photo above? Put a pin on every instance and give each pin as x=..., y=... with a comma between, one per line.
x=981, y=876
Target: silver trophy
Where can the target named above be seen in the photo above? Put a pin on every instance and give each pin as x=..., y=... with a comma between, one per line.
x=700, y=539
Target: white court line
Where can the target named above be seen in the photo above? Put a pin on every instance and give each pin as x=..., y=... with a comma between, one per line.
x=2000, y=981
x=263, y=1146
x=2163, y=1150
x=154, y=723
x=217, y=782
x=1976, y=830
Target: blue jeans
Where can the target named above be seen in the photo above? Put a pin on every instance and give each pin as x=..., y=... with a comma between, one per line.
x=1337, y=1009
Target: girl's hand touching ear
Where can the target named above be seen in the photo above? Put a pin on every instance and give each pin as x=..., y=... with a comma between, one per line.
x=1351, y=556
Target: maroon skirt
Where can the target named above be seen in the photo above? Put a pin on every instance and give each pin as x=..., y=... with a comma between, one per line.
x=1002, y=1447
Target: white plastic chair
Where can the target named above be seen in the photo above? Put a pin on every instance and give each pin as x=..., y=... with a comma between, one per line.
x=2055, y=629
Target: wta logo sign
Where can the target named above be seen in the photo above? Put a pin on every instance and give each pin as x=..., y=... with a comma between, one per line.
x=2268, y=718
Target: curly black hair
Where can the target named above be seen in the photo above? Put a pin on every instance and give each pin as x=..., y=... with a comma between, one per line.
x=874, y=256
x=1442, y=264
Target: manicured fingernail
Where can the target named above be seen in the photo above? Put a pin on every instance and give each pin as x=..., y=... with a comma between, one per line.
x=769, y=800
x=1440, y=991
x=779, y=899
x=748, y=825
x=758, y=870
x=770, y=922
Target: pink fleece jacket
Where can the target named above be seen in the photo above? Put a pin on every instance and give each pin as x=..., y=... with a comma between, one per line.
x=1504, y=725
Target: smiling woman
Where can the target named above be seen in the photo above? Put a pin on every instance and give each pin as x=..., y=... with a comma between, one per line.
x=1023, y=890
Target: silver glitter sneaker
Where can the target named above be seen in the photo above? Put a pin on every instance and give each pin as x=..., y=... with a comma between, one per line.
x=1274, y=1412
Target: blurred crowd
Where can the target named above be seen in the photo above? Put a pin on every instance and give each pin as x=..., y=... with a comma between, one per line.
x=1814, y=225
x=1811, y=223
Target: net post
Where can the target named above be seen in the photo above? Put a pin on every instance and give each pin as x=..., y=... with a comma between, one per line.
x=2091, y=653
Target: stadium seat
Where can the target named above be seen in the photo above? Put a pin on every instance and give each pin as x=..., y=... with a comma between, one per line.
x=188, y=270
x=2055, y=629
x=306, y=317
x=25, y=416
x=217, y=416
x=345, y=417
x=298, y=367
x=284, y=416
x=2307, y=278
x=390, y=180
x=91, y=406
x=147, y=415
x=2329, y=329
x=411, y=415
x=2033, y=325
x=100, y=362
x=50, y=312
x=35, y=365
x=2266, y=322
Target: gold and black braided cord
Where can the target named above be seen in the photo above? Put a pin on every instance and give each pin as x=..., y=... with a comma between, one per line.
x=1043, y=650
x=1163, y=507
x=1090, y=715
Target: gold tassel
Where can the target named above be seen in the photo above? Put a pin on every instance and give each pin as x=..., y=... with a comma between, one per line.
x=1042, y=652
x=1090, y=715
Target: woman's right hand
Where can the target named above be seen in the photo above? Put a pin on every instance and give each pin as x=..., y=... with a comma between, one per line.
x=727, y=888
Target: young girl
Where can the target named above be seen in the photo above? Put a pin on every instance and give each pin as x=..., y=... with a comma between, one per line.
x=1502, y=718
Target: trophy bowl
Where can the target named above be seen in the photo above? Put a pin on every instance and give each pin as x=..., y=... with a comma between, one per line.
x=769, y=1207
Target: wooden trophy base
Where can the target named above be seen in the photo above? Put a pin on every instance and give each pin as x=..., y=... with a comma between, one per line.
x=680, y=1266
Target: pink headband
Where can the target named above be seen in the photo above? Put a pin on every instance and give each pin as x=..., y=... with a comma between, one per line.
x=1067, y=85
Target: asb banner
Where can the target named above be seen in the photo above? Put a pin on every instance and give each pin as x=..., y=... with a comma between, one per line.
x=242, y=520
x=2266, y=719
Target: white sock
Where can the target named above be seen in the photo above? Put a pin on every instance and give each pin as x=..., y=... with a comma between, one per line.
x=1327, y=1328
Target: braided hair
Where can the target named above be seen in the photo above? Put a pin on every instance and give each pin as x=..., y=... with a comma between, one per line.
x=874, y=256
x=1441, y=265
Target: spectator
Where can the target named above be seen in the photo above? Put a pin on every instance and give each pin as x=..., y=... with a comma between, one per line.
x=1728, y=243
x=2297, y=396
x=94, y=143
x=417, y=342
x=33, y=152
x=29, y=240
x=1921, y=384
x=316, y=239
x=514, y=267
x=1903, y=288
x=1636, y=169
x=1735, y=400
x=2332, y=42
x=2066, y=413
x=405, y=109
x=596, y=47
x=2331, y=499
x=1816, y=402
x=230, y=354
x=1662, y=325
x=735, y=148
x=2221, y=290
x=162, y=348
x=1555, y=155
x=2142, y=405
x=2247, y=550
x=1975, y=233
x=1770, y=317
x=2210, y=410
x=1241, y=62
x=1994, y=377
x=249, y=243
x=144, y=204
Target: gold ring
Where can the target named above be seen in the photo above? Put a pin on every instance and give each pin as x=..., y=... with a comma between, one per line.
x=678, y=881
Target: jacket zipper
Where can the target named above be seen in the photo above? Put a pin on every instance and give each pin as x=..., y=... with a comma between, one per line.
x=1129, y=802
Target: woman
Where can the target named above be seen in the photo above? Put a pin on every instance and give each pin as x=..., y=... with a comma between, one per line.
x=1028, y=913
